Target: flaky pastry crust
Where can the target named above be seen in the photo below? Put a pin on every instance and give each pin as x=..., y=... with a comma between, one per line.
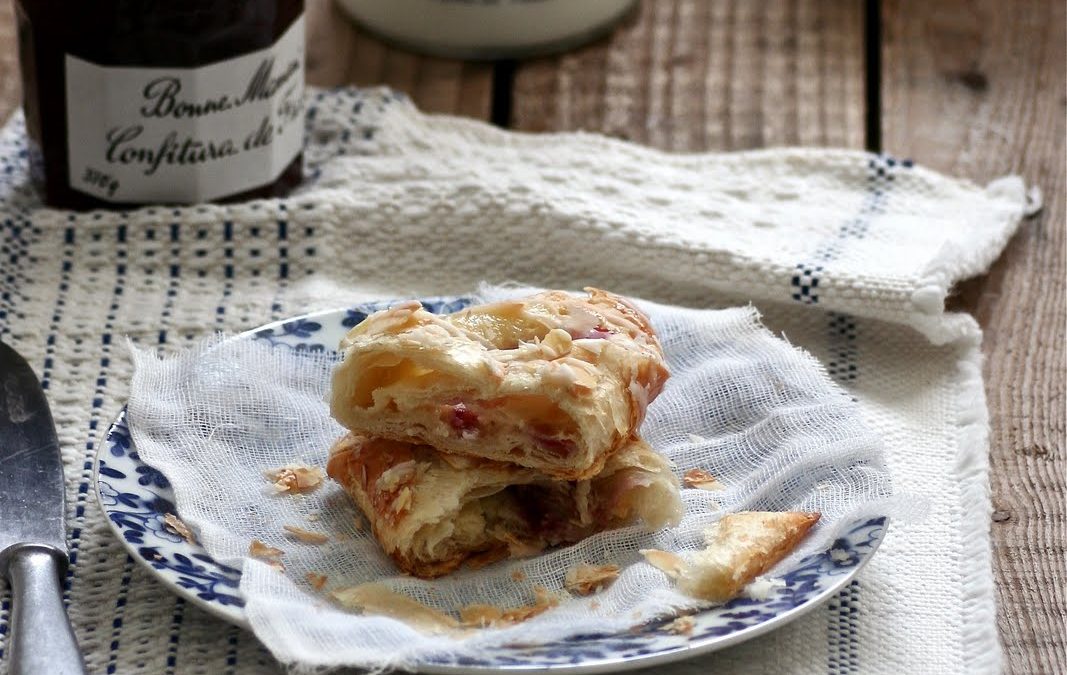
x=555, y=382
x=431, y=512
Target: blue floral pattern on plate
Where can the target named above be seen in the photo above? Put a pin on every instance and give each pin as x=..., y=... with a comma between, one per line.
x=137, y=497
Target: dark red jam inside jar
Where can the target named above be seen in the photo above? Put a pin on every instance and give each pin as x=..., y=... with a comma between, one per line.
x=162, y=101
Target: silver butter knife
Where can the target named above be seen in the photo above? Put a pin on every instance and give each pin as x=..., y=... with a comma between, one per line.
x=33, y=545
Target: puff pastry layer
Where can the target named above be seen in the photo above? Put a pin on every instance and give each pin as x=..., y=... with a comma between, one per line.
x=554, y=381
x=432, y=511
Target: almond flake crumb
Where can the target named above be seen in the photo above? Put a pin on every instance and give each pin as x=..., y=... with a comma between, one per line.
x=295, y=478
x=683, y=625
x=306, y=536
x=482, y=616
x=376, y=598
x=701, y=480
x=588, y=579
x=175, y=525
x=317, y=581
x=839, y=555
x=693, y=438
x=543, y=602
x=518, y=575
x=258, y=549
x=669, y=563
x=761, y=588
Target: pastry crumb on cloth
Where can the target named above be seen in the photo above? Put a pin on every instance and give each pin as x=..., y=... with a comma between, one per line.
x=306, y=536
x=701, y=480
x=378, y=599
x=268, y=554
x=295, y=478
x=485, y=616
x=317, y=581
x=586, y=579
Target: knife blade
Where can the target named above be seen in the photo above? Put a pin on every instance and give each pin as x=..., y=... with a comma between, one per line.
x=33, y=548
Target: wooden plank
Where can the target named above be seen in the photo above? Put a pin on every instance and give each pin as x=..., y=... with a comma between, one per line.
x=10, y=80
x=977, y=89
x=340, y=53
x=692, y=75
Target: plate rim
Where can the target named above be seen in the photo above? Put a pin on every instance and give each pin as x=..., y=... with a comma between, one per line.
x=236, y=615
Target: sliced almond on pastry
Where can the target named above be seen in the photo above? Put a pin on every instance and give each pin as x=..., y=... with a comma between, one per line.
x=740, y=547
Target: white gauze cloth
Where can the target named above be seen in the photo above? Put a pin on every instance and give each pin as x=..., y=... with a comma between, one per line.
x=850, y=255
x=760, y=415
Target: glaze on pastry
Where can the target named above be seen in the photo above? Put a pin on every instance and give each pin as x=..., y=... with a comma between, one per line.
x=555, y=382
x=433, y=511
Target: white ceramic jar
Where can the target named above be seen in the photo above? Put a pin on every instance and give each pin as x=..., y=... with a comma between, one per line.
x=488, y=29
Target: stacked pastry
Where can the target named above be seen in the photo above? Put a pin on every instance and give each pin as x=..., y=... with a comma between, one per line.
x=502, y=429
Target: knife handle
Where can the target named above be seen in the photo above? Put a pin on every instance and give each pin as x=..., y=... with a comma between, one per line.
x=42, y=641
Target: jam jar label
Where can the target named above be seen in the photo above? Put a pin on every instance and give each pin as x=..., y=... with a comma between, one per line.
x=183, y=135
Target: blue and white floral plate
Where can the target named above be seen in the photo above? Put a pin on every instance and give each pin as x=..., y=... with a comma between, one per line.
x=136, y=497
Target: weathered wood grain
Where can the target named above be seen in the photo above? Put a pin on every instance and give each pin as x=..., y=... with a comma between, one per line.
x=977, y=89
x=10, y=84
x=690, y=75
x=340, y=53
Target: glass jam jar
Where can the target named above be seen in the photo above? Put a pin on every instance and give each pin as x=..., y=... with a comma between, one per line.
x=162, y=101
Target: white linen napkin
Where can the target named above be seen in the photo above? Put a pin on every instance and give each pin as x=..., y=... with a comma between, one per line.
x=851, y=255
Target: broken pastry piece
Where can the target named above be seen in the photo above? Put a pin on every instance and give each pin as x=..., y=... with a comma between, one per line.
x=740, y=547
x=554, y=382
x=431, y=511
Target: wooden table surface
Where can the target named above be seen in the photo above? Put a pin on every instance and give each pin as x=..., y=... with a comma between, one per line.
x=973, y=88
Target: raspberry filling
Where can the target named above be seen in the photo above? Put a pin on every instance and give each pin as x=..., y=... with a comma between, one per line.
x=549, y=513
x=463, y=420
x=557, y=447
